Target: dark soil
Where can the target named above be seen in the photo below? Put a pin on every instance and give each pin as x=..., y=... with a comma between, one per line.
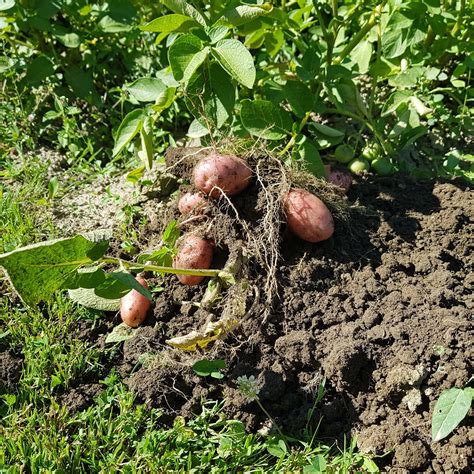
x=382, y=312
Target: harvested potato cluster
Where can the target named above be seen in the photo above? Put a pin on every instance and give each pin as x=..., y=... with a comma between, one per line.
x=216, y=177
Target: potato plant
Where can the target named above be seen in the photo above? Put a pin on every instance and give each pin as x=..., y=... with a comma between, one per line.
x=310, y=76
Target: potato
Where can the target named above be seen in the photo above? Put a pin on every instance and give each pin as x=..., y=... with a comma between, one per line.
x=307, y=216
x=229, y=173
x=134, y=306
x=190, y=202
x=338, y=177
x=194, y=252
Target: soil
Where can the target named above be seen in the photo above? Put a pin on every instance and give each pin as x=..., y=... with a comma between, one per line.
x=381, y=314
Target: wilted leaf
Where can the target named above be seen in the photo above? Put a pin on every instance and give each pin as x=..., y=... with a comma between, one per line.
x=120, y=333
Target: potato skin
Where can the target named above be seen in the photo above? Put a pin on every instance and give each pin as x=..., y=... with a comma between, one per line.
x=190, y=202
x=227, y=172
x=134, y=306
x=339, y=178
x=307, y=216
x=194, y=252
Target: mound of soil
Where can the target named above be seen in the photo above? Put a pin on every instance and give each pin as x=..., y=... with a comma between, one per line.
x=381, y=312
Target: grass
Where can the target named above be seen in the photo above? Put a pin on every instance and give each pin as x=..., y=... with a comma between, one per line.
x=115, y=433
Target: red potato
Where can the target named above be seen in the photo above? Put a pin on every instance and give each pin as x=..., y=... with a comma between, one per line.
x=307, y=216
x=134, y=306
x=194, y=253
x=338, y=177
x=190, y=202
x=229, y=173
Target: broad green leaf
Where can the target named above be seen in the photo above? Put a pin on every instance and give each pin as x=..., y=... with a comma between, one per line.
x=299, y=97
x=68, y=38
x=274, y=41
x=312, y=159
x=394, y=101
x=130, y=126
x=38, y=270
x=450, y=409
x=120, y=333
x=276, y=446
x=361, y=55
x=185, y=55
x=310, y=64
x=197, y=130
x=184, y=8
x=317, y=466
x=147, y=89
x=108, y=24
x=207, y=367
x=327, y=131
x=38, y=70
x=217, y=32
x=6, y=4
x=264, y=119
x=87, y=297
x=241, y=14
x=170, y=23
x=236, y=59
x=82, y=84
x=128, y=280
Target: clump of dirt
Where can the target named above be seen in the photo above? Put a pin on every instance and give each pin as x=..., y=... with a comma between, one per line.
x=381, y=311
x=10, y=371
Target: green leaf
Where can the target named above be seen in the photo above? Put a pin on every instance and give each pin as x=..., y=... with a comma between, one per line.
x=264, y=119
x=197, y=130
x=38, y=270
x=120, y=333
x=217, y=32
x=361, y=55
x=327, y=131
x=184, y=8
x=147, y=89
x=170, y=23
x=312, y=159
x=171, y=233
x=276, y=446
x=147, y=150
x=299, y=97
x=38, y=70
x=450, y=409
x=185, y=55
x=206, y=367
x=130, y=126
x=317, y=466
x=241, y=14
x=129, y=281
x=87, y=297
x=82, y=84
x=394, y=101
x=6, y=4
x=236, y=59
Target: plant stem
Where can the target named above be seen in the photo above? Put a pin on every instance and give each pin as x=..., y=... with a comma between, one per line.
x=291, y=143
x=358, y=37
x=161, y=269
x=270, y=417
